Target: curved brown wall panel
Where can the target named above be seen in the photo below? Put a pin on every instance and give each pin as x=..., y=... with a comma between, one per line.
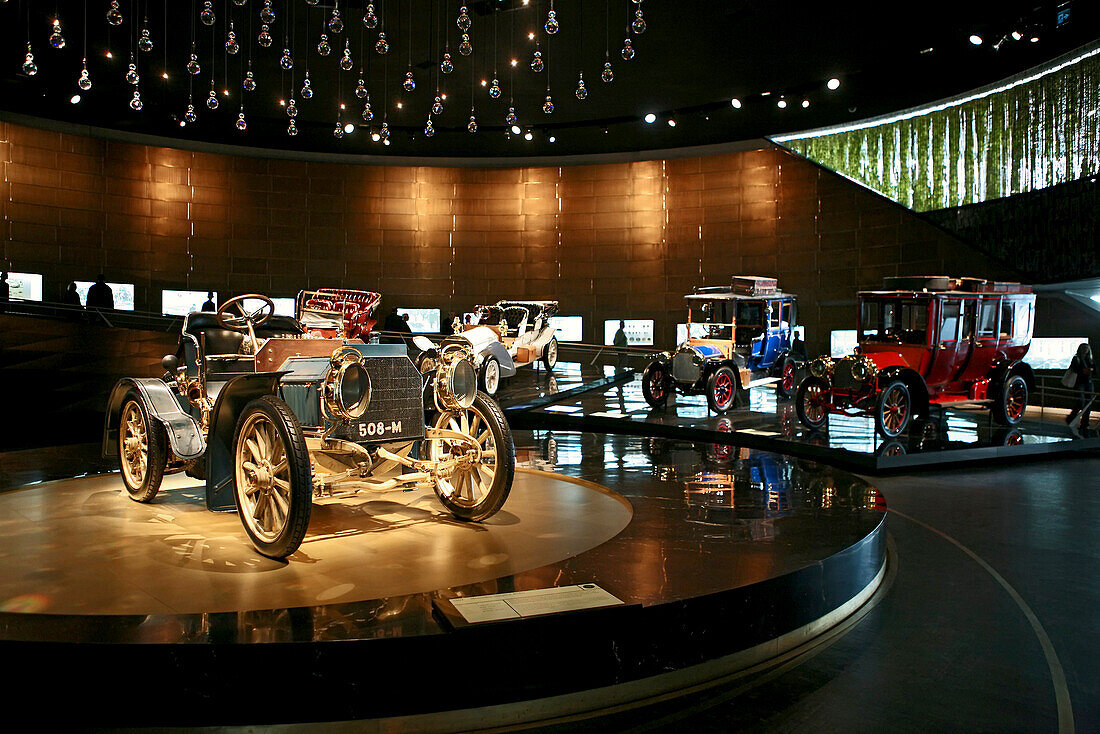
x=621, y=240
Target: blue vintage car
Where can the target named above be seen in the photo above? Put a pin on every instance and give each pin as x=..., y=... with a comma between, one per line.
x=737, y=337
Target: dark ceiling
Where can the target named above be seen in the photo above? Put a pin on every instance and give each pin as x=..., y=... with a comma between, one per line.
x=692, y=59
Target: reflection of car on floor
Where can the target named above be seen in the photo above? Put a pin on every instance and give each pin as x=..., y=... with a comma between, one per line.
x=739, y=335
x=927, y=341
x=338, y=313
x=509, y=335
x=271, y=417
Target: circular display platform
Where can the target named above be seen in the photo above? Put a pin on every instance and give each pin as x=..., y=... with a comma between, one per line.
x=81, y=546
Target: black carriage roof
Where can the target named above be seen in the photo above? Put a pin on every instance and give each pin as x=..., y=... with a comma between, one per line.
x=722, y=293
x=930, y=285
x=542, y=306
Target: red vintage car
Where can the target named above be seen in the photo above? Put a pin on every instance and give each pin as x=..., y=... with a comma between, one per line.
x=927, y=341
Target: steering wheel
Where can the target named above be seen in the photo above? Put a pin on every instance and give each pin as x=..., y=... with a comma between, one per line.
x=247, y=320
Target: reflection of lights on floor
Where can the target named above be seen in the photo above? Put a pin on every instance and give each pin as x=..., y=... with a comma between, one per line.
x=25, y=603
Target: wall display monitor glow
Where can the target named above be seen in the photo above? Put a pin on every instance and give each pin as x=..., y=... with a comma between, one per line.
x=568, y=328
x=422, y=320
x=284, y=306
x=639, y=332
x=25, y=286
x=842, y=342
x=698, y=331
x=1053, y=352
x=181, y=303
x=123, y=294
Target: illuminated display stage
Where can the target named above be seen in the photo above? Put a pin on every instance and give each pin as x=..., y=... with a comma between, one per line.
x=711, y=563
x=762, y=421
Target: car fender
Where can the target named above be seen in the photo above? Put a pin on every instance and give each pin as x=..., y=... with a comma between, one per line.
x=543, y=339
x=498, y=350
x=1021, y=368
x=918, y=390
x=184, y=433
x=236, y=394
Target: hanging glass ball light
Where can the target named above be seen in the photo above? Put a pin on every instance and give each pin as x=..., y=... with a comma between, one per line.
x=446, y=66
x=552, y=26
x=193, y=66
x=548, y=105
x=368, y=113
x=537, y=64
x=114, y=15
x=428, y=129
x=249, y=83
x=627, y=50
x=437, y=105
x=463, y=20
x=370, y=20
x=471, y=126
x=242, y=124
x=85, y=81
x=338, y=131
x=145, y=43
x=384, y=133
x=638, y=24
x=494, y=89
x=410, y=82
x=345, y=60
x=212, y=100
x=292, y=129
x=361, y=88
x=511, y=118
x=29, y=67
x=267, y=15
x=607, y=74
x=190, y=115
x=382, y=46
x=581, y=90
x=207, y=14
x=135, y=102
x=56, y=39
x=307, y=88
x=465, y=47
x=231, y=46
x=336, y=23
x=312, y=2
x=292, y=108
x=264, y=39
x=131, y=73
x=322, y=46
x=286, y=61
x=239, y=2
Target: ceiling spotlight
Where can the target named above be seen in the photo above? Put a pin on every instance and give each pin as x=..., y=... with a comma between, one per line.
x=386, y=141
x=672, y=122
x=528, y=135
x=553, y=139
x=526, y=1
x=343, y=106
x=349, y=128
x=976, y=39
x=164, y=75
x=282, y=103
x=183, y=123
x=375, y=137
x=515, y=130
x=443, y=96
x=651, y=118
x=483, y=82
x=605, y=131
x=735, y=103
x=514, y=62
x=1016, y=35
x=833, y=83
x=531, y=36
x=75, y=99
x=781, y=104
x=110, y=55
x=400, y=105
x=1035, y=38
x=805, y=103
x=225, y=92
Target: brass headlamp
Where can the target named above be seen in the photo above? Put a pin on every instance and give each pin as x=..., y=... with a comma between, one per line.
x=455, y=379
x=821, y=366
x=346, y=389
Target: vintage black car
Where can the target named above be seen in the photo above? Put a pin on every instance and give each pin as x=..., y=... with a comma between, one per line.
x=271, y=417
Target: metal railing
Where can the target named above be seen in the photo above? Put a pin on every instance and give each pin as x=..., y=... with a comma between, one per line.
x=105, y=317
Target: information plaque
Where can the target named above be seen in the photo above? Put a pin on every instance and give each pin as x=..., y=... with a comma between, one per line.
x=533, y=603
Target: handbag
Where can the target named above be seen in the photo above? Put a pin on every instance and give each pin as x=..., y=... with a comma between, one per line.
x=1069, y=377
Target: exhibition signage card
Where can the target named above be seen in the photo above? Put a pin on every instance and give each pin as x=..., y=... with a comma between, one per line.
x=518, y=604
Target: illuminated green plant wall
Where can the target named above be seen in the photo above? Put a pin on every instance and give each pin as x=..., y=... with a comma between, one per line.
x=1027, y=134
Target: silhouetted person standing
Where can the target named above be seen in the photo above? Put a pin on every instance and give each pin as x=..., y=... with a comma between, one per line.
x=620, y=342
x=1083, y=366
x=71, y=297
x=210, y=305
x=100, y=295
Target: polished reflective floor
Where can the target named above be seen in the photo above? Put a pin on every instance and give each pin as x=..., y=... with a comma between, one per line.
x=764, y=421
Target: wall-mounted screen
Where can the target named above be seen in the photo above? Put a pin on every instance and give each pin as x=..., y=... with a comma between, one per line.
x=123, y=294
x=25, y=286
x=284, y=306
x=698, y=331
x=568, y=328
x=181, y=303
x=842, y=342
x=639, y=332
x=422, y=319
x=1053, y=352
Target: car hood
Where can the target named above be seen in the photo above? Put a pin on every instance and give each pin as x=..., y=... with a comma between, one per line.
x=883, y=360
